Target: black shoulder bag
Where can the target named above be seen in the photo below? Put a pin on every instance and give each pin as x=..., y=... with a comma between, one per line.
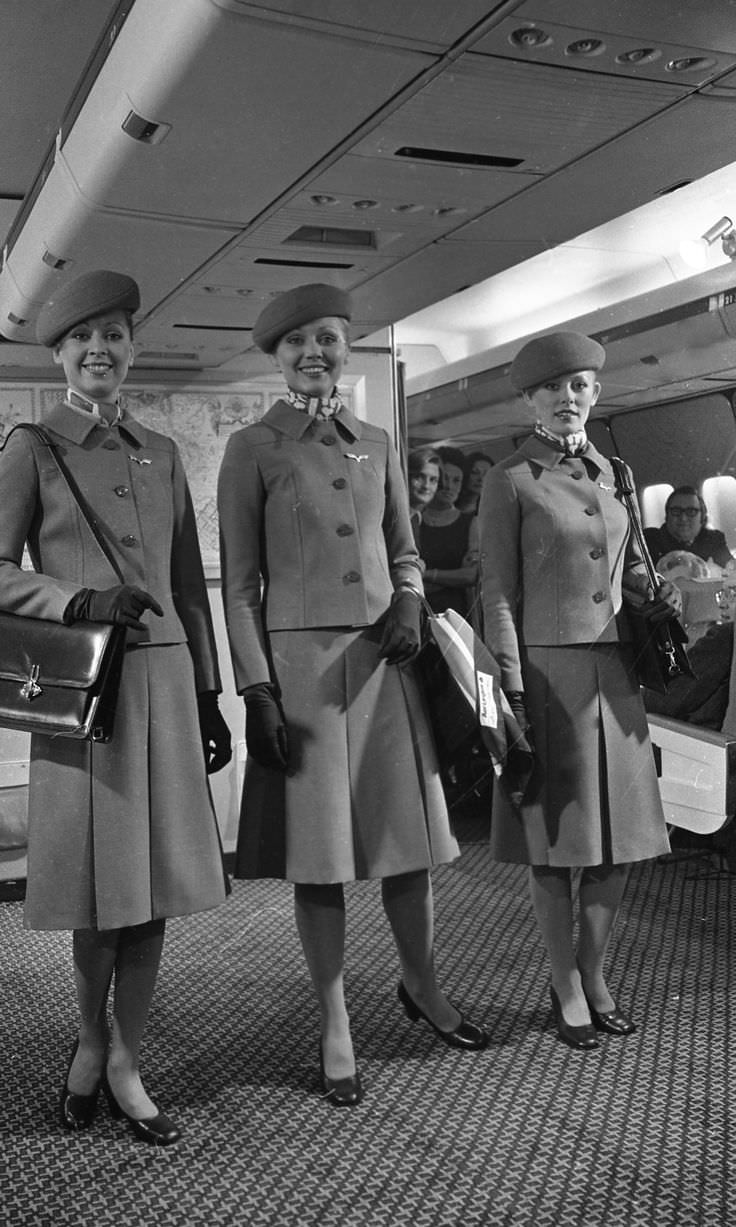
x=659, y=648
x=61, y=680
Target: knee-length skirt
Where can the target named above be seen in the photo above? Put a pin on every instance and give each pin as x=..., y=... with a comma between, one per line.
x=362, y=796
x=125, y=832
x=593, y=798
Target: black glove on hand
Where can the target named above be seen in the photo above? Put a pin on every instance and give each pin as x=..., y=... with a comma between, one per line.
x=664, y=605
x=216, y=740
x=123, y=605
x=265, y=727
x=518, y=707
x=402, y=632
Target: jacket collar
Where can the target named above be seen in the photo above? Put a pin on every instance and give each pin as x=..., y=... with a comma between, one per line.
x=77, y=426
x=549, y=458
x=294, y=423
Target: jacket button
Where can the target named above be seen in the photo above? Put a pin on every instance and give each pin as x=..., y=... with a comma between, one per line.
x=345, y=530
x=598, y=597
x=340, y=483
x=590, y=511
x=596, y=553
x=129, y=540
x=576, y=476
x=329, y=440
x=352, y=577
x=121, y=491
x=110, y=445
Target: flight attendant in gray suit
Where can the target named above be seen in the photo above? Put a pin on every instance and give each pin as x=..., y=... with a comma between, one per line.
x=322, y=586
x=557, y=558
x=122, y=835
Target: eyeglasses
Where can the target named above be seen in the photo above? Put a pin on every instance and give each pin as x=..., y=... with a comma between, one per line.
x=690, y=512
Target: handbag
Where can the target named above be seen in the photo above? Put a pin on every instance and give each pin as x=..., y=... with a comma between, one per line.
x=60, y=680
x=659, y=648
x=462, y=683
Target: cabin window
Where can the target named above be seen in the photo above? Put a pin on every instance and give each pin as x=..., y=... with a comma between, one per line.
x=652, y=501
x=720, y=499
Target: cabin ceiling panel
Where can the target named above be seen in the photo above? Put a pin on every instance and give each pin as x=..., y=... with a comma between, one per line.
x=52, y=42
x=434, y=24
x=231, y=148
x=542, y=116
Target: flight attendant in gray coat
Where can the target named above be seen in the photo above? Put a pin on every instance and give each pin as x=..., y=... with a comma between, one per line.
x=122, y=834
x=556, y=560
x=321, y=583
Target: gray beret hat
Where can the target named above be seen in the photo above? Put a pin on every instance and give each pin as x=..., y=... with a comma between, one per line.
x=298, y=306
x=94, y=293
x=555, y=354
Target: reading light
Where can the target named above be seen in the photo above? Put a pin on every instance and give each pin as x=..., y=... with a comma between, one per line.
x=695, y=252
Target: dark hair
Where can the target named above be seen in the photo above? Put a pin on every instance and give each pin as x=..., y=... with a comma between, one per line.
x=417, y=459
x=453, y=455
x=691, y=492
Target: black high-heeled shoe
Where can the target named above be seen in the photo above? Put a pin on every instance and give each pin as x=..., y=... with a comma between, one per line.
x=613, y=1022
x=466, y=1035
x=158, y=1130
x=76, y=1111
x=340, y=1092
x=582, y=1038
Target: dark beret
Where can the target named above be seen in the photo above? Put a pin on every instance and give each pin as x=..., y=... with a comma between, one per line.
x=298, y=306
x=94, y=293
x=555, y=354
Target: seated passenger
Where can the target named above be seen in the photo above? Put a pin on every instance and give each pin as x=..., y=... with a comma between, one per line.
x=702, y=699
x=685, y=528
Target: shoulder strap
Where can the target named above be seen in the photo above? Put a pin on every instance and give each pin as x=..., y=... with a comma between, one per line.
x=43, y=437
x=622, y=475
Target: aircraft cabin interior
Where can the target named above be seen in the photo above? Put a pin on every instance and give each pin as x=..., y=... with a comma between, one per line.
x=474, y=173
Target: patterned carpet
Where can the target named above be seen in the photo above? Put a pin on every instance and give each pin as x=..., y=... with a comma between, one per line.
x=527, y=1134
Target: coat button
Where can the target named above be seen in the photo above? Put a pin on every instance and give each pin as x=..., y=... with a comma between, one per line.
x=121, y=491
x=129, y=540
x=352, y=577
x=110, y=445
x=329, y=440
x=345, y=530
x=576, y=476
x=340, y=483
x=596, y=553
x=590, y=511
x=598, y=597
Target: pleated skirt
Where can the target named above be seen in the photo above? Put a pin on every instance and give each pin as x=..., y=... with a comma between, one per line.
x=125, y=832
x=362, y=797
x=593, y=798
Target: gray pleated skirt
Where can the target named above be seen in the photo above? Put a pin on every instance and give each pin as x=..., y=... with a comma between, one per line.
x=124, y=833
x=593, y=798
x=362, y=797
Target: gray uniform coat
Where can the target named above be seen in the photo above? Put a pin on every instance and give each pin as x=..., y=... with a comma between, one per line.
x=556, y=552
x=119, y=833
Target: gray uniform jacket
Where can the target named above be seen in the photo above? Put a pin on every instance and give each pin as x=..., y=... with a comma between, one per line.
x=555, y=549
x=127, y=475
x=315, y=531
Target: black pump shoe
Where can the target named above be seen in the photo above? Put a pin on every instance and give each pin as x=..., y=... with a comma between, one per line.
x=76, y=1111
x=613, y=1022
x=582, y=1038
x=158, y=1130
x=466, y=1035
x=340, y=1092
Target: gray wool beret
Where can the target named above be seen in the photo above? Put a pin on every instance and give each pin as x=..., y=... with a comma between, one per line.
x=555, y=354
x=94, y=293
x=298, y=306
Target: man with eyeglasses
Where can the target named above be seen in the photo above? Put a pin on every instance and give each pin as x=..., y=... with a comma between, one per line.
x=685, y=528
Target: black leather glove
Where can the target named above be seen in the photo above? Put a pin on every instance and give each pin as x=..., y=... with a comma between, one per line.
x=123, y=605
x=664, y=605
x=518, y=707
x=402, y=631
x=265, y=728
x=216, y=740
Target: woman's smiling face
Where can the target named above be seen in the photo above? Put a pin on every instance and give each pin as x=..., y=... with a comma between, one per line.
x=312, y=357
x=96, y=354
x=562, y=405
